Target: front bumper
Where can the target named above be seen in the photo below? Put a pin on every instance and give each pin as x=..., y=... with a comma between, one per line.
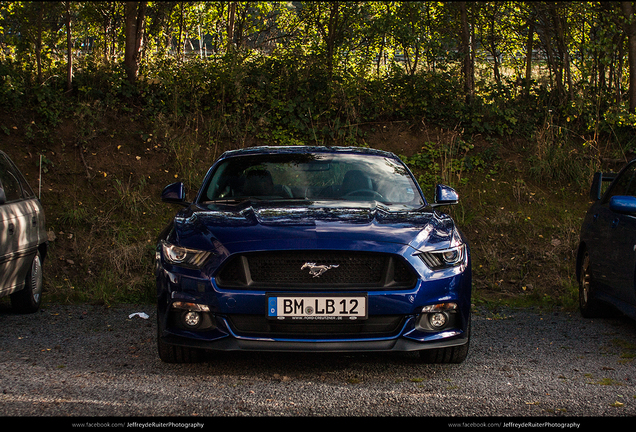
x=219, y=331
x=233, y=343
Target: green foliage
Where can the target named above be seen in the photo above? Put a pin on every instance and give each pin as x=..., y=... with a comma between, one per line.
x=75, y=216
x=621, y=123
x=449, y=163
x=312, y=72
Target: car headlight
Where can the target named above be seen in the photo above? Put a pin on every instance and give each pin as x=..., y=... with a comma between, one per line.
x=182, y=256
x=440, y=259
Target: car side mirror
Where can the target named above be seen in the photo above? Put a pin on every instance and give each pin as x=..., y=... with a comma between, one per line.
x=445, y=195
x=174, y=194
x=3, y=197
x=623, y=204
x=596, y=190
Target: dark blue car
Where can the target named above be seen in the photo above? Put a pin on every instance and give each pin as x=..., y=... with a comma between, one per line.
x=312, y=249
x=606, y=260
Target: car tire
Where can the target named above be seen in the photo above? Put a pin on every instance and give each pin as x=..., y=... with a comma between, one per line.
x=589, y=306
x=169, y=353
x=454, y=354
x=29, y=298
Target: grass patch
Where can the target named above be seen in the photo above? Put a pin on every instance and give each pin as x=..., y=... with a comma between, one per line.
x=627, y=350
x=608, y=382
x=522, y=228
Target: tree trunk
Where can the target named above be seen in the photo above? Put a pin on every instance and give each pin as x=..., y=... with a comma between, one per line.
x=106, y=28
x=179, y=44
x=416, y=59
x=553, y=66
x=619, y=73
x=557, y=58
x=38, y=41
x=562, y=31
x=466, y=55
x=113, y=32
x=135, y=14
x=230, y=25
x=529, y=48
x=69, y=48
x=330, y=37
x=630, y=31
x=493, y=50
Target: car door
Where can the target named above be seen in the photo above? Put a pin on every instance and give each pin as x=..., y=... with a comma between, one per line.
x=617, y=255
x=18, y=226
x=624, y=262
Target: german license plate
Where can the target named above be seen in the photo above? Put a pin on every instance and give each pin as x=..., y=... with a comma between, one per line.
x=317, y=307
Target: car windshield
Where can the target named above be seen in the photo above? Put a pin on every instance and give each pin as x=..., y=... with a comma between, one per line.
x=317, y=176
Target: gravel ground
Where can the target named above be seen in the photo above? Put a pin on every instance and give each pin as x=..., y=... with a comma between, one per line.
x=92, y=361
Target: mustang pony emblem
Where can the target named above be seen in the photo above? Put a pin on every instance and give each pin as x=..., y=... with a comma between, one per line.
x=317, y=270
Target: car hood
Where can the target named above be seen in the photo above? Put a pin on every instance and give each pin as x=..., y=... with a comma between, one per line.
x=306, y=225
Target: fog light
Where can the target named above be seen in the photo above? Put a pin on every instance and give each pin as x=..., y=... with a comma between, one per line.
x=437, y=319
x=192, y=319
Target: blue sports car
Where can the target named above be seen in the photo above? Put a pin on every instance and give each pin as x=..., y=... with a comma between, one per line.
x=606, y=260
x=312, y=249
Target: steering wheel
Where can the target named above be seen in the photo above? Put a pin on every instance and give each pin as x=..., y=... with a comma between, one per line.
x=365, y=192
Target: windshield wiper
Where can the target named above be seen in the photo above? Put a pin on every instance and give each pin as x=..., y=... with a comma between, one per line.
x=231, y=200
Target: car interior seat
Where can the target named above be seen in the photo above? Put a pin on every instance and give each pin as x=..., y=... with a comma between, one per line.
x=258, y=183
x=355, y=180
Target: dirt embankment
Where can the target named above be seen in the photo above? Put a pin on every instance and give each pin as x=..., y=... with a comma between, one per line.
x=101, y=188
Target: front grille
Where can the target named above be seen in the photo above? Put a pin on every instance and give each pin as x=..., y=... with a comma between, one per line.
x=260, y=326
x=291, y=270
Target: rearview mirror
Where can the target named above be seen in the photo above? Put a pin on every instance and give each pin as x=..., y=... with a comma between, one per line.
x=445, y=195
x=596, y=191
x=174, y=194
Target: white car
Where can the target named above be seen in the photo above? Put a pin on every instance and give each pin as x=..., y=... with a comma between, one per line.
x=23, y=239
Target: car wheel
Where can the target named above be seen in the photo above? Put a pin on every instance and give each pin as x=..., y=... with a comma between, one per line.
x=177, y=354
x=589, y=306
x=454, y=354
x=28, y=299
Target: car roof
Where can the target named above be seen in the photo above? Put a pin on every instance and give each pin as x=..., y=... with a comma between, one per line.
x=263, y=150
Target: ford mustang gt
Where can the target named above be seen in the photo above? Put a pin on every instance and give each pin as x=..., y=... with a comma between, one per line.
x=326, y=249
